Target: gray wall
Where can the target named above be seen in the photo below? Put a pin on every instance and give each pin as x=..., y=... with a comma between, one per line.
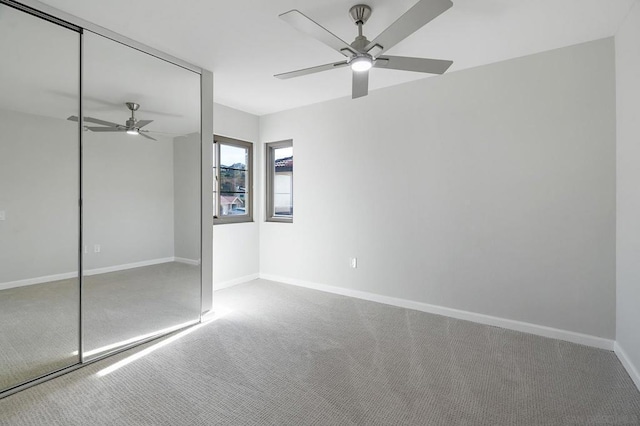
x=236, y=246
x=186, y=197
x=490, y=190
x=39, y=194
x=628, y=189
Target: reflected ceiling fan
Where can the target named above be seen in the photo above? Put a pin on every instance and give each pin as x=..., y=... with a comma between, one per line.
x=363, y=54
x=131, y=126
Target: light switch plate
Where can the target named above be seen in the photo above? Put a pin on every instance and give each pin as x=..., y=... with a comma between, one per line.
x=3, y=215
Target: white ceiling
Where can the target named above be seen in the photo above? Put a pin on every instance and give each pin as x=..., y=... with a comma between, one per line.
x=244, y=43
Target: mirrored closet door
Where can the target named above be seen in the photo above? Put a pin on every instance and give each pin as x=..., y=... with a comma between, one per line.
x=39, y=193
x=141, y=196
x=100, y=196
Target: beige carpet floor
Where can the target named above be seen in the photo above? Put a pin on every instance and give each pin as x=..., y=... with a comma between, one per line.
x=290, y=356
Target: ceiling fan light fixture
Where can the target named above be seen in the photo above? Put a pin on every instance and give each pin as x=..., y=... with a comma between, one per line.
x=361, y=63
x=133, y=132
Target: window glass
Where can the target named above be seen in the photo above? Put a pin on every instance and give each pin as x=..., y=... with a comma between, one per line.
x=232, y=188
x=283, y=182
x=280, y=181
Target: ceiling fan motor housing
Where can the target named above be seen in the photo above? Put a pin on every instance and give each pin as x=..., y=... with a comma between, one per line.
x=131, y=123
x=360, y=43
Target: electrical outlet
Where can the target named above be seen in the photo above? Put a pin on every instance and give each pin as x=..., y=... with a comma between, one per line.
x=96, y=248
x=354, y=262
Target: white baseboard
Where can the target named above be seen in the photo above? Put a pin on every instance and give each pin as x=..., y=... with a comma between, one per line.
x=627, y=364
x=231, y=283
x=95, y=271
x=540, y=330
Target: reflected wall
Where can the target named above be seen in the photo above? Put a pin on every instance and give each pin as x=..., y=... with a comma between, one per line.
x=39, y=192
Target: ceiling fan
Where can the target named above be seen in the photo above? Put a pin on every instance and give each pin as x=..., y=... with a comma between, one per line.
x=131, y=126
x=363, y=54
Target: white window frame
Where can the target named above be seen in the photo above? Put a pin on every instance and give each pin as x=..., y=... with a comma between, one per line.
x=270, y=180
x=241, y=218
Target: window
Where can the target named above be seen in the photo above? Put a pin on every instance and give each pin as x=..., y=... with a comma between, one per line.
x=280, y=181
x=232, y=180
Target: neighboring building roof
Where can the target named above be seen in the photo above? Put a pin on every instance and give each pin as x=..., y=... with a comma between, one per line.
x=227, y=199
x=284, y=165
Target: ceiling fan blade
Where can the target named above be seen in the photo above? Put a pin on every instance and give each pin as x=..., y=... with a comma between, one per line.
x=360, y=84
x=98, y=121
x=431, y=66
x=311, y=70
x=414, y=19
x=105, y=129
x=147, y=136
x=142, y=123
x=73, y=118
x=303, y=23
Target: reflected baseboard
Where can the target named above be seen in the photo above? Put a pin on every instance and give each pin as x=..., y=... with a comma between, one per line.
x=194, y=262
x=38, y=280
x=95, y=271
x=124, y=267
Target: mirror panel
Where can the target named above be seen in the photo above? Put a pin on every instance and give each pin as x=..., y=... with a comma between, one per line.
x=39, y=193
x=141, y=196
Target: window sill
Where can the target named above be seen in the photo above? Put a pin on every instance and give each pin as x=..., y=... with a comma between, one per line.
x=225, y=221
x=280, y=219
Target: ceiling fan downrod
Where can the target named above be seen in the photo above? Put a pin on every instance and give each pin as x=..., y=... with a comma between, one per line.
x=360, y=14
